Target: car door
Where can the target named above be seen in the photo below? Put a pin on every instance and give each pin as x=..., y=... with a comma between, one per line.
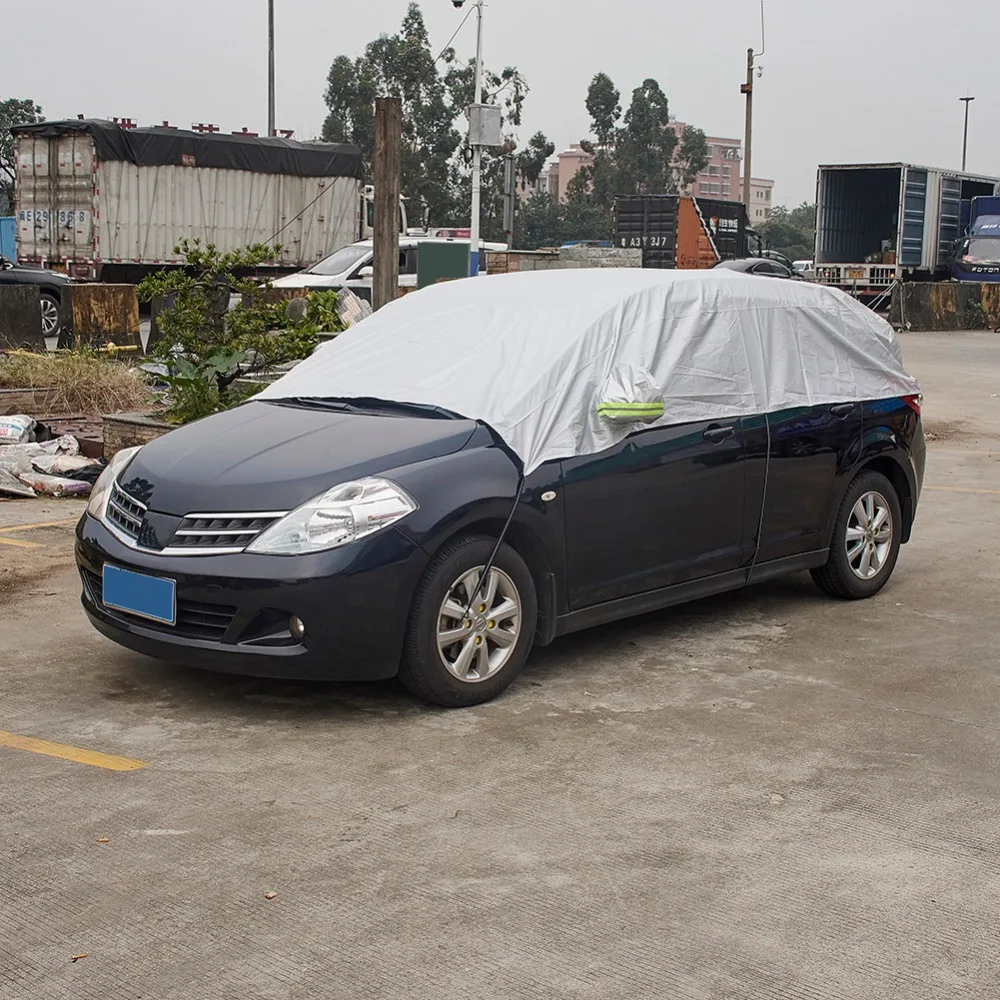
x=811, y=453
x=663, y=507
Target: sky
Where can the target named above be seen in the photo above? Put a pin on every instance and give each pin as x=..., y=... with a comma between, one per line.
x=853, y=81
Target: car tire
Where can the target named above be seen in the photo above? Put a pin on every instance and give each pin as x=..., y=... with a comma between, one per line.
x=866, y=539
x=51, y=314
x=457, y=660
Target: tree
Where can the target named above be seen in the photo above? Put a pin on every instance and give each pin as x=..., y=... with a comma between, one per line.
x=532, y=159
x=791, y=232
x=434, y=101
x=691, y=158
x=539, y=222
x=604, y=106
x=13, y=111
x=402, y=66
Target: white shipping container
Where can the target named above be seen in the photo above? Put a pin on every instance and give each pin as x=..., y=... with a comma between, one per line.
x=88, y=200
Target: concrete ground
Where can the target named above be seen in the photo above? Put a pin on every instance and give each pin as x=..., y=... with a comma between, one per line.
x=768, y=794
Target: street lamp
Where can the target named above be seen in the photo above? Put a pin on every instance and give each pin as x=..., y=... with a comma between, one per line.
x=270, y=68
x=965, y=137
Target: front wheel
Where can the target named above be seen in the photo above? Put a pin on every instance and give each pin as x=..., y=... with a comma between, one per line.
x=51, y=310
x=467, y=643
x=866, y=539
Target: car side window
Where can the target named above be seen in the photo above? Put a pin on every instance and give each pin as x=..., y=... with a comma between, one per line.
x=408, y=260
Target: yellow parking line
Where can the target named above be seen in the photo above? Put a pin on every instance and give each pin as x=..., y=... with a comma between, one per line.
x=40, y=524
x=961, y=489
x=61, y=750
x=19, y=544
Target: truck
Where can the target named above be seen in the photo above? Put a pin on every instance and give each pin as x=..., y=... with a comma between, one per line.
x=977, y=257
x=880, y=223
x=101, y=202
x=679, y=231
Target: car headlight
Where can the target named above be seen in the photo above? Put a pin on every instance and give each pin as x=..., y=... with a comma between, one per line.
x=102, y=488
x=345, y=514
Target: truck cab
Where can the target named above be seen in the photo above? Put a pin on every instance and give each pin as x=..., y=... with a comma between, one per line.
x=977, y=257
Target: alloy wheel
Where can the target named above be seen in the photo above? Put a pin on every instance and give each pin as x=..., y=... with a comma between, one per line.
x=869, y=535
x=50, y=317
x=478, y=631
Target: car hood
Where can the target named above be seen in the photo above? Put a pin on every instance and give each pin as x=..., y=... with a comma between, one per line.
x=270, y=457
x=303, y=279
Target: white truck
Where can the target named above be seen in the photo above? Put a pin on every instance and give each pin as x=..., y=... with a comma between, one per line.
x=101, y=202
x=880, y=223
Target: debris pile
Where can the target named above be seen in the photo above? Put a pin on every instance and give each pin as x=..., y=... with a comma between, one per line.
x=35, y=462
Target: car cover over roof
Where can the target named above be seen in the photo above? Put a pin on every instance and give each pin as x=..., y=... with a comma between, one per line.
x=158, y=146
x=534, y=355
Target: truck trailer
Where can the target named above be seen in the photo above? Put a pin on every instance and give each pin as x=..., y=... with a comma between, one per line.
x=880, y=223
x=101, y=202
x=678, y=231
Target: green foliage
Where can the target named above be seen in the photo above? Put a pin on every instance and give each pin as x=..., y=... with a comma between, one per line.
x=207, y=346
x=633, y=153
x=791, y=231
x=13, y=111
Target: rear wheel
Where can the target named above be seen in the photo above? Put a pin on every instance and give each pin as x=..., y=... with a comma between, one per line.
x=50, y=314
x=467, y=643
x=866, y=539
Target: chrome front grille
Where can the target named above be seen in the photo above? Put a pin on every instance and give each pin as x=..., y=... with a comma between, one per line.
x=125, y=512
x=196, y=535
x=202, y=533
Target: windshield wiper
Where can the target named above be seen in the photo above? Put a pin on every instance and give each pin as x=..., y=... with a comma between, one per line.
x=370, y=405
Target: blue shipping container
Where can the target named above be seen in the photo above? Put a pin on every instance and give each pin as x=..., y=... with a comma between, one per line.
x=8, y=247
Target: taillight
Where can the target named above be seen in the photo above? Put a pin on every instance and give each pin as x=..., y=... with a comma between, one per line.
x=913, y=402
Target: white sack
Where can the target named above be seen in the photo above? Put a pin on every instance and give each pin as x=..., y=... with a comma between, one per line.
x=529, y=354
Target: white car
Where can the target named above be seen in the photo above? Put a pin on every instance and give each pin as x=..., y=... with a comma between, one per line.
x=351, y=267
x=805, y=268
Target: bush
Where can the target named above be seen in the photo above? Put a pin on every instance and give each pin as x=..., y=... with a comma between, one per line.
x=206, y=346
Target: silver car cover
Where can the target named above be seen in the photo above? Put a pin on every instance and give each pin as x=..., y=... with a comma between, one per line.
x=537, y=355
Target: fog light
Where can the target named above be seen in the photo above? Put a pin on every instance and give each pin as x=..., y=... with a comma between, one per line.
x=297, y=628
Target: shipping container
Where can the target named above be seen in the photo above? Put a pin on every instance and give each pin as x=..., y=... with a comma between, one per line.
x=880, y=223
x=8, y=245
x=675, y=231
x=97, y=200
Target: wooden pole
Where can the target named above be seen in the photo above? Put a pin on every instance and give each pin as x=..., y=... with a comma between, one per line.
x=388, y=137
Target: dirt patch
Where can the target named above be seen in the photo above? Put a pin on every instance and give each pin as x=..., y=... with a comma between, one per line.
x=946, y=430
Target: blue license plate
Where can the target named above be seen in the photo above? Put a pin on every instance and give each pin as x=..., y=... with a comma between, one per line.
x=149, y=597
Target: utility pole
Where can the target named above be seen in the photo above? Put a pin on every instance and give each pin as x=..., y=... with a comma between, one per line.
x=477, y=153
x=270, y=68
x=965, y=136
x=509, y=197
x=388, y=139
x=747, y=89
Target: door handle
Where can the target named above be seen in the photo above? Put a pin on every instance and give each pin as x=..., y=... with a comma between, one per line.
x=719, y=434
x=843, y=410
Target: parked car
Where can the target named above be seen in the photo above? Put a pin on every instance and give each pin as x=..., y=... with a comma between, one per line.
x=804, y=268
x=50, y=285
x=352, y=266
x=760, y=266
x=401, y=503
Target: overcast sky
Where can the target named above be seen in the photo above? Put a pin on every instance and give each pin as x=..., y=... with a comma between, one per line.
x=850, y=81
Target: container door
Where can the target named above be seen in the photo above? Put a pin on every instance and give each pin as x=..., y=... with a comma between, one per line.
x=33, y=198
x=914, y=215
x=71, y=212
x=949, y=228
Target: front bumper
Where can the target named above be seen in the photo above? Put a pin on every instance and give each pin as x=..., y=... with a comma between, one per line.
x=233, y=610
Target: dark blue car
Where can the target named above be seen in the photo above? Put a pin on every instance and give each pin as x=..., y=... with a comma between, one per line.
x=361, y=538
